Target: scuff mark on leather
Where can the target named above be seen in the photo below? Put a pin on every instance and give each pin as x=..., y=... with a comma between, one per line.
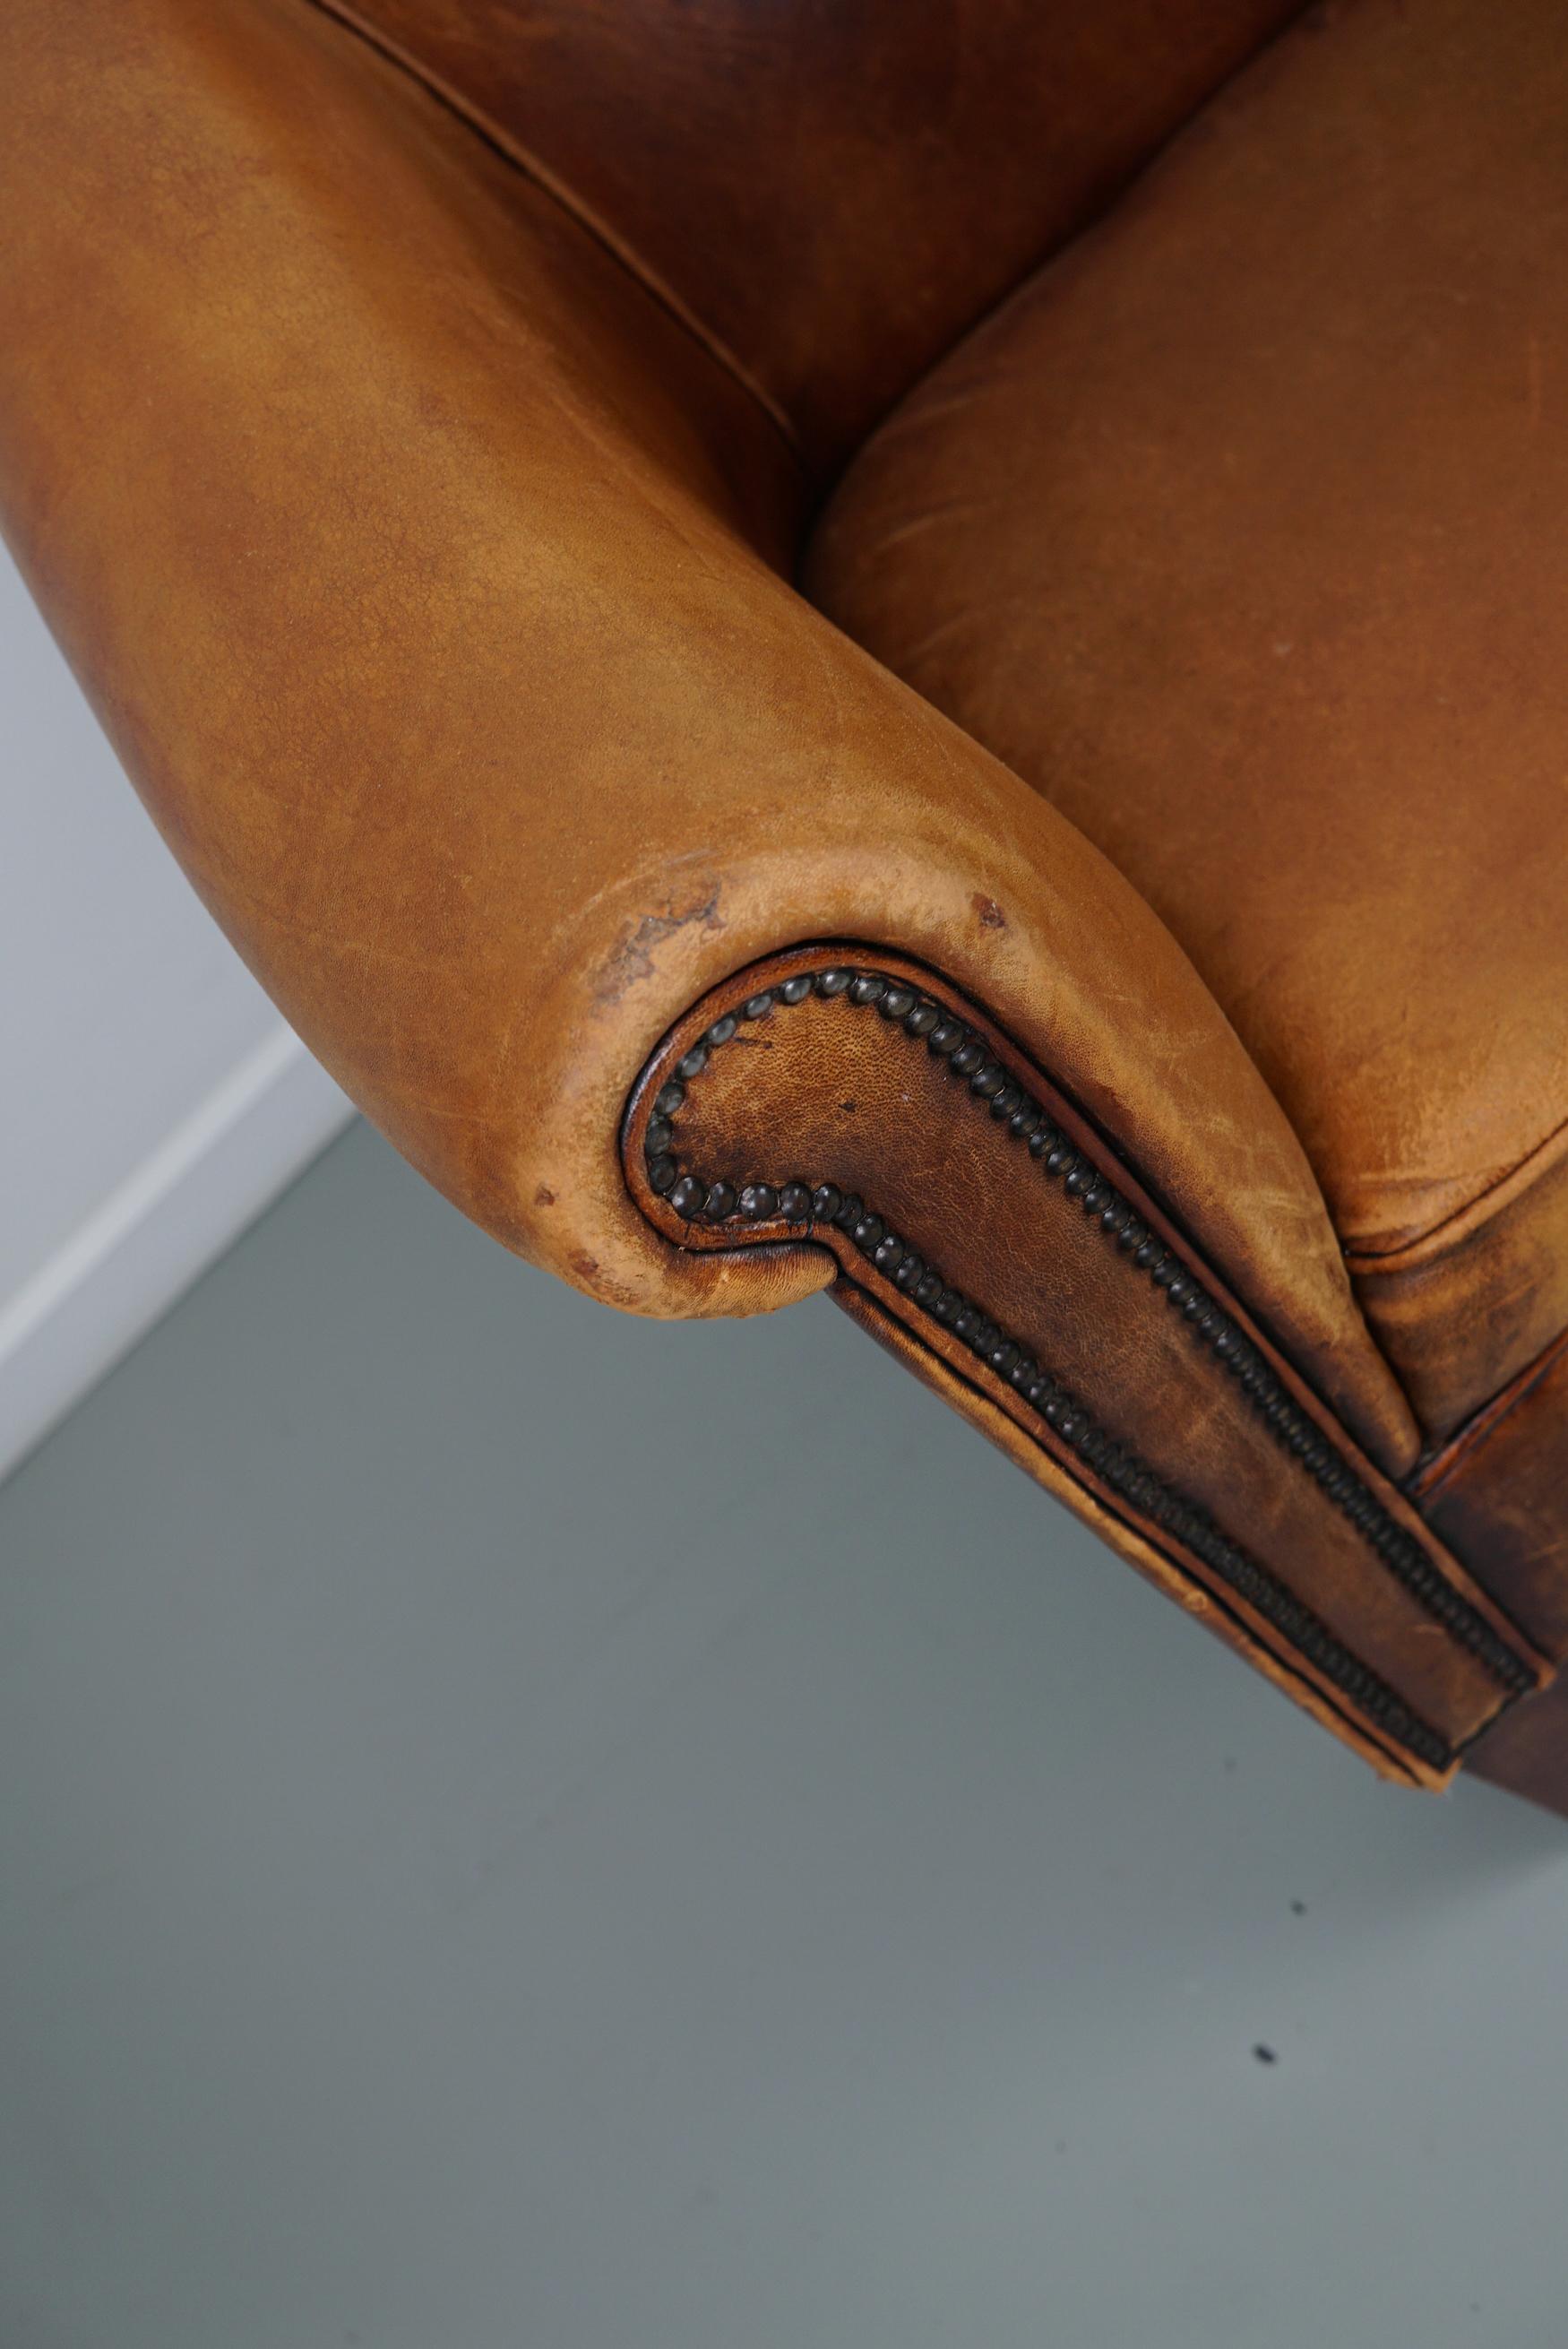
x=990, y=914
x=631, y=961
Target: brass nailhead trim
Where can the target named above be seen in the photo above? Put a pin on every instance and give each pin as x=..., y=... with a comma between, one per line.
x=967, y=1057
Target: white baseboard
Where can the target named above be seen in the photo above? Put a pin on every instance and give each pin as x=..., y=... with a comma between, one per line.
x=145, y=1243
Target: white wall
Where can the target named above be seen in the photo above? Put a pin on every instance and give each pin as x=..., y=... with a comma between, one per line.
x=151, y=1101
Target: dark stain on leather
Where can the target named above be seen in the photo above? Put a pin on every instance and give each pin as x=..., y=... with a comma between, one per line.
x=631, y=961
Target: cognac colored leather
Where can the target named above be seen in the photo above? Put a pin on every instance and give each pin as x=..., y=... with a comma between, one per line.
x=1242, y=533
x=1500, y=1492
x=410, y=422
x=832, y=196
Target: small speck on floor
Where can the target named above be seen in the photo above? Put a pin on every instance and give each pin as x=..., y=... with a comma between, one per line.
x=1264, y=2055
x=1298, y=1908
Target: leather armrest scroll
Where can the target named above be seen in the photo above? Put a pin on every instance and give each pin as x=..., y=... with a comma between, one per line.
x=850, y=1102
x=428, y=577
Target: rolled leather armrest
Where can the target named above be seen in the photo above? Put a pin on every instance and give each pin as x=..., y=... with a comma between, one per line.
x=427, y=574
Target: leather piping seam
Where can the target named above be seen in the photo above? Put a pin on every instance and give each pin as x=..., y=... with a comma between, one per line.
x=1460, y=1225
x=1148, y=1497
x=1324, y=1693
x=1429, y=1476
x=967, y=1057
x=513, y=152
x=1097, y=212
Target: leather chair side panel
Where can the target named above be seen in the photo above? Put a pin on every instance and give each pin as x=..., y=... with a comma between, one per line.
x=853, y=1104
x=1499, y=1491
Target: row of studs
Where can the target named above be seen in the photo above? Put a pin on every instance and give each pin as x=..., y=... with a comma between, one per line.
x=968, y=1058
x=1128, y=1476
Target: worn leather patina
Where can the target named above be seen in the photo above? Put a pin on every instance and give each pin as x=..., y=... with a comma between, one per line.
x=579, y=519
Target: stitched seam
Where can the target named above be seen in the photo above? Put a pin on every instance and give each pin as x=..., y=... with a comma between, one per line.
x=511, y=152
x=1482, y=1425
x=1550, y=1150
x=794, y=1207
x=1096, y=211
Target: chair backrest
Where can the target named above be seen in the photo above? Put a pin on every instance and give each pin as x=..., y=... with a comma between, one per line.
x=833, y=191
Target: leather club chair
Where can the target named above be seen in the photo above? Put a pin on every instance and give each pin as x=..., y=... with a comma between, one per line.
x=910, y=646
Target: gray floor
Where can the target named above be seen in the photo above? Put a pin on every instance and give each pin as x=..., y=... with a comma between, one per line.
x=520, y=1829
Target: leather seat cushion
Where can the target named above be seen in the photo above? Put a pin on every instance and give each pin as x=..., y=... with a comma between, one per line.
x=1241, y=533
